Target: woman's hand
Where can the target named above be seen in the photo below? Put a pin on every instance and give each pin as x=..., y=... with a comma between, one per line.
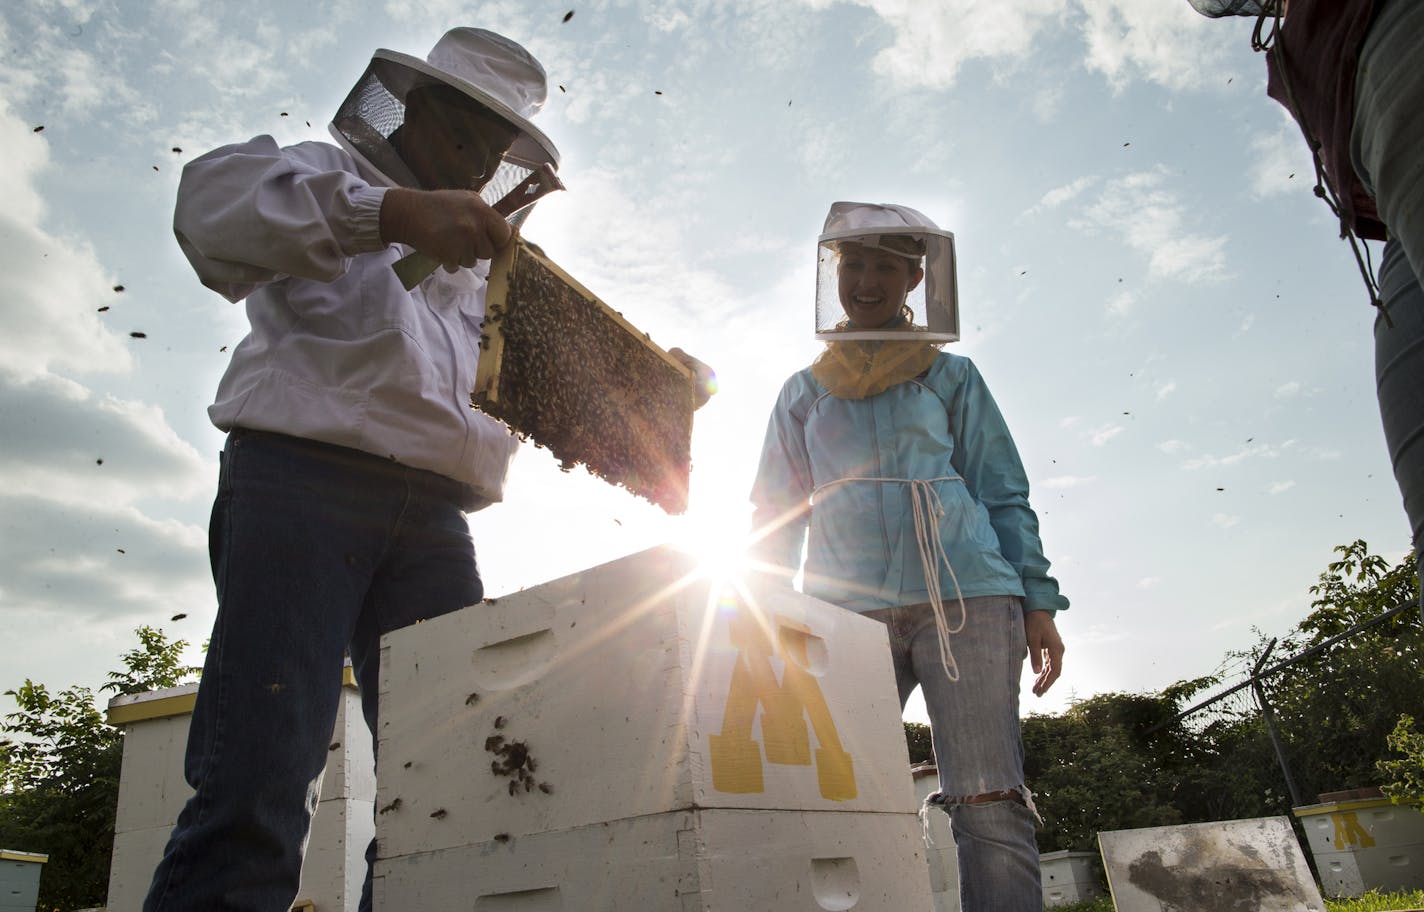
x=1045, y=649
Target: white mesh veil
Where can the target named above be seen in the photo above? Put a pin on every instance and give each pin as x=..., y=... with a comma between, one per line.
x=375, y=109
x=934, y=303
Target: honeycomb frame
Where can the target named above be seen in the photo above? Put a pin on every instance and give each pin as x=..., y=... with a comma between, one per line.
x=562, y=368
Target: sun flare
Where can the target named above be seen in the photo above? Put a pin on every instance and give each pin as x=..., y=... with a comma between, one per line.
x=717, y=541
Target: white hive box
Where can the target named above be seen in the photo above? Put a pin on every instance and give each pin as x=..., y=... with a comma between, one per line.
x=1365, y=844
x=152, y=791
x=1069, y=877
x=678, y=861
x=20, y=880
x=608, y=731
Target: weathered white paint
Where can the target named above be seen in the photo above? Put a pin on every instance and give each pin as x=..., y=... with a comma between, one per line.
x=1227, y=864
x=678, y=861
x=616, y=681
x=152, y=791
x=940, y=851
x=20, y=879
x=1069, y=877
x=1364, y=845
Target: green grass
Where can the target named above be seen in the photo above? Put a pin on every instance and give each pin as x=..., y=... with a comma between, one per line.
x=1371, y=902
x=1374, y=901
x=1102, y=904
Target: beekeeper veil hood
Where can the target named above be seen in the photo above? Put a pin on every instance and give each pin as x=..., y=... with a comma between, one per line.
x=457, y=119
x=852, y=229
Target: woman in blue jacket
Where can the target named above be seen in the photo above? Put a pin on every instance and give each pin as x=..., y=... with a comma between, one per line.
x=896, y=458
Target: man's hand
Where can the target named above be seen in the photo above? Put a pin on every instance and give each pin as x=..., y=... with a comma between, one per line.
x=704, y=380
x=454, y=227
x=1045, y=649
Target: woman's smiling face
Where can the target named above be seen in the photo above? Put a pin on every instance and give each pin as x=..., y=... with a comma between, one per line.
x=874, y=283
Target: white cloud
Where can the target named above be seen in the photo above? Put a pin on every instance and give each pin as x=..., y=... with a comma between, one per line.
x=1048, y=100
x=669, y=20
x=1247, y=451
x=636, y=267
x=1166, y=389
x=1066, y=193
x=1167, y=43
x=1148, y=582
x=52, y=287
x=98, y=560
x=1225, y=520
x=1124, y=40
x=84, y=81
x=81, y=468
x=1102, y=435
x=1171, y=447
x=1280, y=160
x=1150, y=215
x=1063, y=482
x=1122, y=303
x=1280, y=487
x=1288, y=389
x=933, y=41
x=68, y=444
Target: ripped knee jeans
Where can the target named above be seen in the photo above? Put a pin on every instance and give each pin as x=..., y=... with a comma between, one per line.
x=974, y=725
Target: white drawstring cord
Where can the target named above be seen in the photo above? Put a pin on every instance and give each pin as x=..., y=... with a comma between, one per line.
x=927, y=510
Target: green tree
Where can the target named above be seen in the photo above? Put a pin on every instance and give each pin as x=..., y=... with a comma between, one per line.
x=1121, y=761
x=917, y=739
x=59, y=773
x=1336, y=708
x=1402, y=777
x=1094, y=768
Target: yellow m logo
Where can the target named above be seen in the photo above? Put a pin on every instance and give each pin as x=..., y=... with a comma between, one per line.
x=735, y=757
x=1348, y=831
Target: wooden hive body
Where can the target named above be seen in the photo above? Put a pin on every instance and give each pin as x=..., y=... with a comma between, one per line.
x=639, y=737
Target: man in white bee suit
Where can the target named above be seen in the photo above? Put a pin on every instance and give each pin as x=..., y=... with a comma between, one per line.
x=352, y=453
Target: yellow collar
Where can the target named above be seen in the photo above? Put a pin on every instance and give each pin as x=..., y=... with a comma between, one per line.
x=859, y=370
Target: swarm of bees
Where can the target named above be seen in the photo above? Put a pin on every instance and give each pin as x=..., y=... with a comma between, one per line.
x=563, y=369
x=512, y=759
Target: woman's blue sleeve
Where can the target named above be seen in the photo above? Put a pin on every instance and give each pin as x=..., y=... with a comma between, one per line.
x=986, y=457
x=781, y=493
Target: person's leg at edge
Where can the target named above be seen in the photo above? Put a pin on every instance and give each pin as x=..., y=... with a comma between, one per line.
x=429, y=570
x=1386, y=145
x=974, y=723
x=1399, y=380
x=281, y=543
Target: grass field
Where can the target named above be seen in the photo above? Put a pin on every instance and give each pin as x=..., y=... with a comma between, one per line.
x=1371, y=902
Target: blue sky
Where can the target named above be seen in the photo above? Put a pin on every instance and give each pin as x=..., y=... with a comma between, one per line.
x=1179, y=341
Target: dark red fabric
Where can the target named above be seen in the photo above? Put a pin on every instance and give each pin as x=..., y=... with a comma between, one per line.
x=1317, y=53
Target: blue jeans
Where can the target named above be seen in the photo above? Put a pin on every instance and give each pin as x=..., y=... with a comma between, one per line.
x=315, y=550
x=974, y=724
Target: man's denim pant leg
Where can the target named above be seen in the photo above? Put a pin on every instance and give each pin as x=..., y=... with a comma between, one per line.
x=314, y=548
x=974, y=723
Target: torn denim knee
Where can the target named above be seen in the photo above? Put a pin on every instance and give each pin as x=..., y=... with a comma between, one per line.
x=1020, y=794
